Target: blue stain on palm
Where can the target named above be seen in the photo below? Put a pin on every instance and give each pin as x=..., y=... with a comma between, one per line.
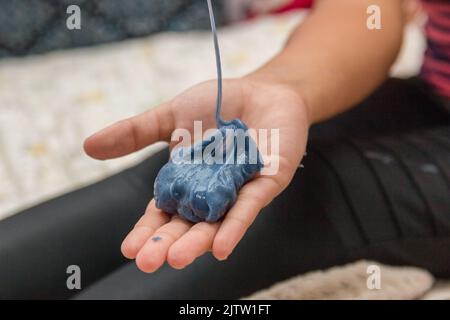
x=194, y=184
x=156, y=239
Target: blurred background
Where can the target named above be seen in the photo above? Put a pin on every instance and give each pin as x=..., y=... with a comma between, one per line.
x=57, y=86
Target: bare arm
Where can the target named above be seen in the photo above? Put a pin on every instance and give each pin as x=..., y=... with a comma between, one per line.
x=333, y=60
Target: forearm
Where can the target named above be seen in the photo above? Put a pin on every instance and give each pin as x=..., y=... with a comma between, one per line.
x=333, y=60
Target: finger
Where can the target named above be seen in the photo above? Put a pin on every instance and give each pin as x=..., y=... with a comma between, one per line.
x=251, y=199
x=131, y=134
x=192, y=244
x=154, y=252
x=144, y=228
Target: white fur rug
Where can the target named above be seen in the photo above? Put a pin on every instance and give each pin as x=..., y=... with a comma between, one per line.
x=351, y=282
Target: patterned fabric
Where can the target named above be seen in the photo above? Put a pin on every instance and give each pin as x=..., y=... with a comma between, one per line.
x=436, y=67
x=37, y=26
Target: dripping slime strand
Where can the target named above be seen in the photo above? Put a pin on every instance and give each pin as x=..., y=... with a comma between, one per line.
x=204, y=191
x=219, y=121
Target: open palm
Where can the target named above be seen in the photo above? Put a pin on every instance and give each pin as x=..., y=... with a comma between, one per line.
x=158, y=237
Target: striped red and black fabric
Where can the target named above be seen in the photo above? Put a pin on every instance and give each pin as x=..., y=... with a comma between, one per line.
x=436, y=66
x=295, y=4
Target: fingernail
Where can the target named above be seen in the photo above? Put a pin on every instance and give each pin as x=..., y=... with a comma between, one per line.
x=223, y=259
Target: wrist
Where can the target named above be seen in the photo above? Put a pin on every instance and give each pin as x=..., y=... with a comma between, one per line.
x=276, y=77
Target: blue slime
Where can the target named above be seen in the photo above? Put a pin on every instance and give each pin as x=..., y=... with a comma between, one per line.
x=201, y=182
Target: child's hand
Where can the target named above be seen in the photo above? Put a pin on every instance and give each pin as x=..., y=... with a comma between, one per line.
x=157, y=237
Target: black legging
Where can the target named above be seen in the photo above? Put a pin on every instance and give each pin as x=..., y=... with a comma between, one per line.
x=376, y=185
